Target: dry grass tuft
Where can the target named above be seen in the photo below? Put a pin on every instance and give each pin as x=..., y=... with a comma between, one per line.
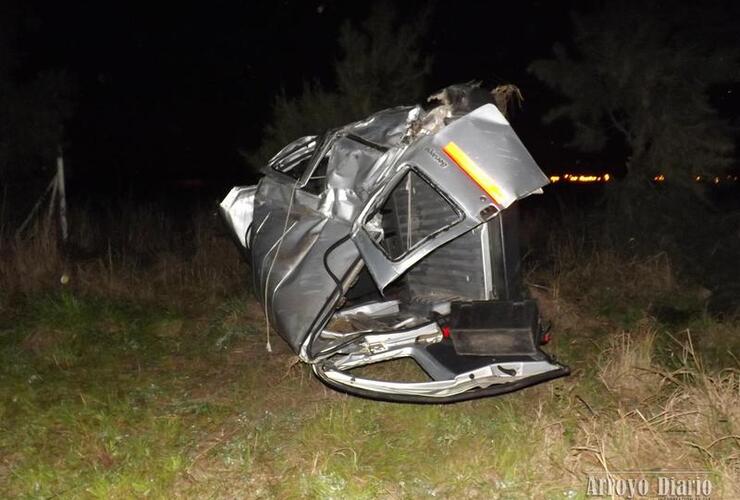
x=584, y=275
x=188, y=395
x=626, y=366
x=136, y=254
x=642, y=397
x=680, y=418
x=31, y=263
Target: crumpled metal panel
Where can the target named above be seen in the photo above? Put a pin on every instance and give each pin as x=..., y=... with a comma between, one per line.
x=489, y=139
x=237, y=210
x=305, y=248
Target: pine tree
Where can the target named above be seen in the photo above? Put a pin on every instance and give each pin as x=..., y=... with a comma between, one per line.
x=382, y=65
x=642, y=74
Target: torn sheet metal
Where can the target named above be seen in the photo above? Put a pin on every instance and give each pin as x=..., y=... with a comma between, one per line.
x=364, y=241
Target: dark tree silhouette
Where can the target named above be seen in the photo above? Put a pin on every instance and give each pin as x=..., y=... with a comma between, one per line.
x=32, y=111
x=642, y=73
x=32, y=115
x=381, y=65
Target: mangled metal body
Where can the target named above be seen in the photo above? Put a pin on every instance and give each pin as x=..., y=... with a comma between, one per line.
x=395, y=237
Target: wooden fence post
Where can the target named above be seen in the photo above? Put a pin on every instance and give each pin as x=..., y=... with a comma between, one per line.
x=62, y=197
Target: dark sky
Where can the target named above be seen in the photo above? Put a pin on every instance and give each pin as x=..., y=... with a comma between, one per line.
x=174, y=90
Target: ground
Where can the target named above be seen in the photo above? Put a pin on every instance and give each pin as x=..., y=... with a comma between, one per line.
x=162, y=388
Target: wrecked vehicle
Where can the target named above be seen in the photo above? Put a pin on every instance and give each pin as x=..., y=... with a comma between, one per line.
x=395, y=237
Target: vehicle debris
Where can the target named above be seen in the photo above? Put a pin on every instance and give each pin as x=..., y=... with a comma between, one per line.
x=396, y=237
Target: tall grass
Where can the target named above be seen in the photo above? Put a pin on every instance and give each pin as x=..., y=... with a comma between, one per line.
x=114, y=385
x=136, y=251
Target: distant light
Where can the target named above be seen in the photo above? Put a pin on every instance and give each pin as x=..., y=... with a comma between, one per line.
x=581, y=178
x=606, y=177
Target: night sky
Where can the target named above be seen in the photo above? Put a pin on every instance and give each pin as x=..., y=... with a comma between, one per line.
x=168, y=92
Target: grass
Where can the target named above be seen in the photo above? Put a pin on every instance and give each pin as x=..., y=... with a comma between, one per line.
x=153, y=380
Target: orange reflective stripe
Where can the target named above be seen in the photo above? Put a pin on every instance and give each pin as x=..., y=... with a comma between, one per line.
x=477, y=174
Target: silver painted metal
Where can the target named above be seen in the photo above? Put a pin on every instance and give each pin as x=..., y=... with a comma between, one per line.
x=480, y=378
x=237, y=209
x=316, y=229
x=377, y=309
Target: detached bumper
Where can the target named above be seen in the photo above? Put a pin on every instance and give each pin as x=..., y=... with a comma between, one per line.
x=461, y=388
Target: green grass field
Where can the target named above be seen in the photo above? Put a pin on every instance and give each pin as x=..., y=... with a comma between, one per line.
x=162, y=388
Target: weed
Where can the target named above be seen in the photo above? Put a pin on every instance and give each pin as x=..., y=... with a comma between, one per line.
x=147, y=376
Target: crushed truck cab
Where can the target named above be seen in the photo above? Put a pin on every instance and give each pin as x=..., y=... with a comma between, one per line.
x=396, y=237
